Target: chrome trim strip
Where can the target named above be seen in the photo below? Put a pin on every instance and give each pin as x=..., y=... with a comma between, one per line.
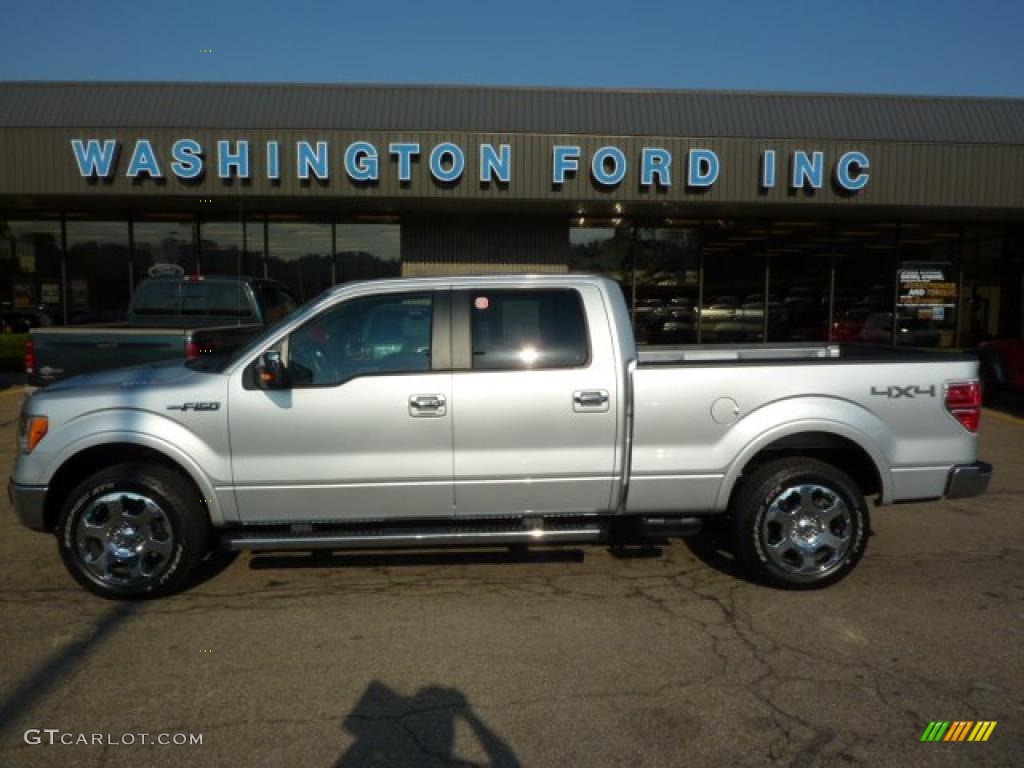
x=412, y=538
x=402, y=483
x=642, y=476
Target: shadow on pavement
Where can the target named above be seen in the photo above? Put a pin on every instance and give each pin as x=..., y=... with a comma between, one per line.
x=326, y=559
x=419, y=730
x=714, y=547
x=58, y=667
x=215, y=563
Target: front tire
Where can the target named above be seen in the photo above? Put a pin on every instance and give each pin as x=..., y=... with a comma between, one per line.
x=134, y=530
x=799, y=523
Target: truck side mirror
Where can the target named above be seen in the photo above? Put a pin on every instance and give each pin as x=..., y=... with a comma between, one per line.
x=270, y=372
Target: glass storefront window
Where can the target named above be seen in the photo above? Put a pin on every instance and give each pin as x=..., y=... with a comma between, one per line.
x=220, y=248
x=983, y=270
x=99, y=271
x=231, y=248
x=301, y=256
x=164, y=248
x=666, y=280
x=31, y=291
x=733, y=309
x=865, y=271
x=799, y=277
x=367, y=251
x=928, y=285
x=604, y=250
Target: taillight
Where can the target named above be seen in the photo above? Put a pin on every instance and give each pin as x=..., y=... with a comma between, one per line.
x=30, y=357
x=963, y=401
x=194, y=350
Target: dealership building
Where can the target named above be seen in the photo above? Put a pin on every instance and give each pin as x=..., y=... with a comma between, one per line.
x=725, y=216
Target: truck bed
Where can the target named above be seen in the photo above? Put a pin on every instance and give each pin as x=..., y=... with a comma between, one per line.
x=800, y=352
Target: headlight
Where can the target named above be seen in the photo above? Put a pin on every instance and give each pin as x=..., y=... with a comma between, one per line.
x=31, y=430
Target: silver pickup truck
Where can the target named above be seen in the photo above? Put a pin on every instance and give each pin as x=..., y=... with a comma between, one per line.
x=487, y=411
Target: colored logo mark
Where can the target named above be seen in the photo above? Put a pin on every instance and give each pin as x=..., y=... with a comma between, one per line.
x=958, y=730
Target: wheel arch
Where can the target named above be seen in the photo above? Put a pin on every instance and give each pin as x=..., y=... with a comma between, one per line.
x=841, y=446
x=81, y=461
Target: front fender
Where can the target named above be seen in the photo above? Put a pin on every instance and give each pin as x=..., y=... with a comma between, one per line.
x=793, y=416
x=208, y=465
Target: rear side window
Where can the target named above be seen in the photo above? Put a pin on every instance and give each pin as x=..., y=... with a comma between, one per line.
x=525, y=329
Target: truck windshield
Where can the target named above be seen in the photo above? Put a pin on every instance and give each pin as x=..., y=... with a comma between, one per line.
x=202, y=299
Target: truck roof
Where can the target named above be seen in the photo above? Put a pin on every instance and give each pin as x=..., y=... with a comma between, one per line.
x=510, y=280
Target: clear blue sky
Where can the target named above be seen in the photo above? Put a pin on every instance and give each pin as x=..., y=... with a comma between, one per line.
x=971, y=47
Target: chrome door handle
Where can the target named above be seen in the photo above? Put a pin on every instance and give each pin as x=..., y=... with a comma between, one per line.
x=590, y=400
x=427, y=405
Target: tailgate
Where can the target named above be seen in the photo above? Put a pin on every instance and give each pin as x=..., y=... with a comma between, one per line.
x=64, y=352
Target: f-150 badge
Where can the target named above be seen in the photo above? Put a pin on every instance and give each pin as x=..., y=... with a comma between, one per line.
x=210, y=406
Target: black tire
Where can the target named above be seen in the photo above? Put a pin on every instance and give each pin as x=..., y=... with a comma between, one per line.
x=161, y=511
x=815, y=533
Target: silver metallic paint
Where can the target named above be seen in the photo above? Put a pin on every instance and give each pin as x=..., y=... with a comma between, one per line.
x=509, y=442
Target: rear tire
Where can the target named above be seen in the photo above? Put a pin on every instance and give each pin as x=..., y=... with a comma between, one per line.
x=799, y=523
x=134, y=530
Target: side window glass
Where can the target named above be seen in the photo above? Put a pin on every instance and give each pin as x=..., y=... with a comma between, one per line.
x=372, y=335
x=276, y=301
x=521, y=329
x=286, y=301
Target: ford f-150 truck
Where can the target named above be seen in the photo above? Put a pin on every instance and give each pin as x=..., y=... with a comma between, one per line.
x=168, y=318
x=503, y=410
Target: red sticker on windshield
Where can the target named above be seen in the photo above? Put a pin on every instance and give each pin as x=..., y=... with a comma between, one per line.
x=481, y=302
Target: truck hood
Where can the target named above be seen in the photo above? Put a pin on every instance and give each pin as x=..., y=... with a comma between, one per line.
x=171, y=373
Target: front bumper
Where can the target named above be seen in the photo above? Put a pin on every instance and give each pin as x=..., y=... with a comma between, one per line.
x=968, y=480
x=29, y=504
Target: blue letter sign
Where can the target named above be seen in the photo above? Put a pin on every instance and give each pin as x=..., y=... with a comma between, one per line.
x=496, y=165
x=361, y=162
x=566, y=160
x=92, y=160
x=310, y=161
x=144, y=161
x=655, y=162
x=237, y=160
x=851, y=171
x=703, y=168
x=186, y=155
x=808, y=170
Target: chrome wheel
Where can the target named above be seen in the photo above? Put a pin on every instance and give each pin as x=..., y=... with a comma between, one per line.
x=807, y=530
x=124, y=539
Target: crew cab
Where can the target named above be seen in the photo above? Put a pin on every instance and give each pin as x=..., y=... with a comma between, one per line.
x=174, y=317
x=488, y=411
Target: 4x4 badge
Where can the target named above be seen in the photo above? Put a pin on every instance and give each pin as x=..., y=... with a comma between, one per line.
x=894, y=392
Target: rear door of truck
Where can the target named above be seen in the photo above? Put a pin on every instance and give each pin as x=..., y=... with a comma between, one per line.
x=535, y=401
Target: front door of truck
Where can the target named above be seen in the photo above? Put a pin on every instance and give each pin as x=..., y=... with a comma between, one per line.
x=364, y=429
x=536, y=402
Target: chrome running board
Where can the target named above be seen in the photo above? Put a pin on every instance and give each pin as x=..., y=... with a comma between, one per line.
x=386, y=538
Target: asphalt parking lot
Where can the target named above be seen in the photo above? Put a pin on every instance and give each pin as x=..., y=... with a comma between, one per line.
x=572, y=657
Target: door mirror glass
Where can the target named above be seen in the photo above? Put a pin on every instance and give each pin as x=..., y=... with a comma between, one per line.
x=269, y=371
